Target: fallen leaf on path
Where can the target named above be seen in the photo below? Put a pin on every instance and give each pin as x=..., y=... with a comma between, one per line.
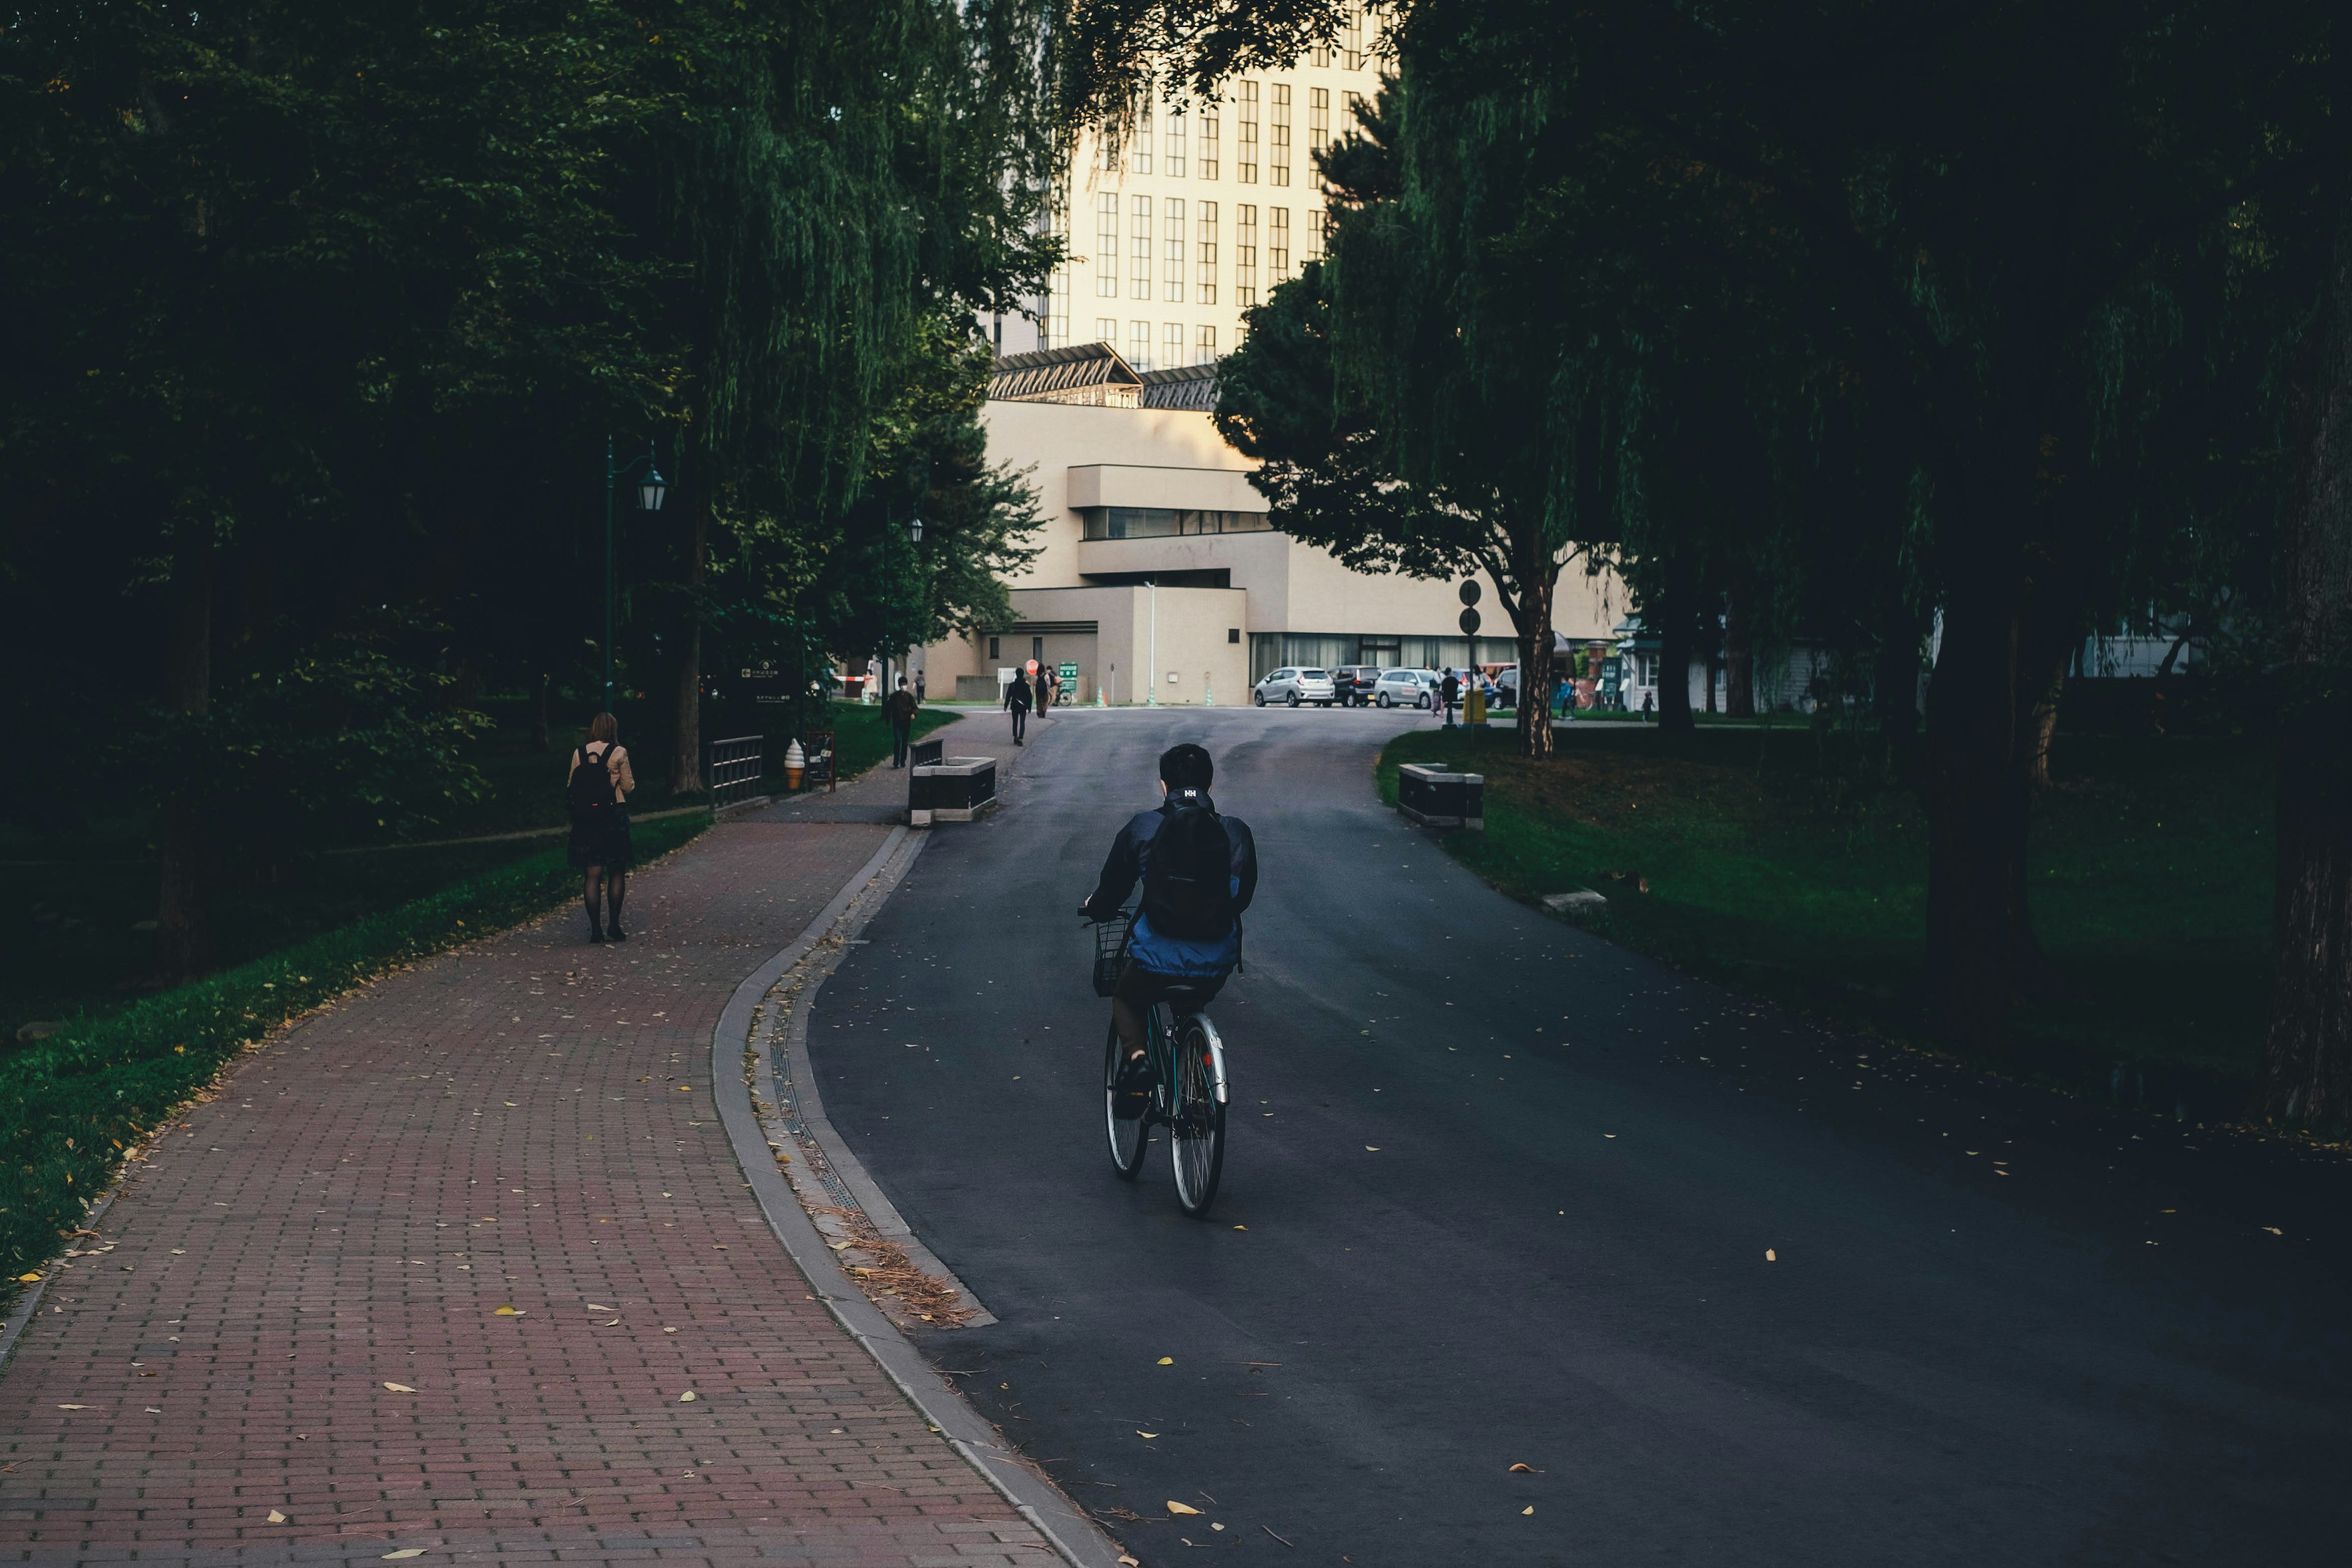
x=1181, y=1508
x=1143, y=1433
x=1240, y=1228
x=614, y=1324
x=1523, y=1470
x=1214, y=1526
x=688, y=1397
x=2272, y=1228
x=1770, y=1255
x=26, y=1279
x=400, y=1388
x=508, y=1312
x=73, y=1406
x=404, y=1552
x=1528, y=1509
x=1371, y=1148
x=1168, y=1361
x=599, y=1307
x=1129, y=1562
x=276, y=1517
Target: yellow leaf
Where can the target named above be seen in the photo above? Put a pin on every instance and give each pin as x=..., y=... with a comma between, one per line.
x=26, y=1279
x=1770, y=1255
x=1371, y=1148
x=507, y=1312
x=1240, y=1228
x=1143, y=1433
x=404, y=1552
x=599, y=1307
x=1129, y=1562
x=73, y=1406
x=1168, y=1361
x=276, y=1517
x=686, y=1399
x=400, y=1388
x=1528, y=1509
x=1521, y=1470
x=1180, y=1508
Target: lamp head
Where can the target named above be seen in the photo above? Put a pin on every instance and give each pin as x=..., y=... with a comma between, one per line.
x=652, y=490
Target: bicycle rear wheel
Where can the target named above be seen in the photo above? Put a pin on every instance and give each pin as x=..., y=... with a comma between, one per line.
x=1129, y=1136
x=1197, y=1128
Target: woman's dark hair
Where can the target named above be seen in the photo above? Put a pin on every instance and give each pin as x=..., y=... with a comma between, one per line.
x=1186, y=767
x=605, y=728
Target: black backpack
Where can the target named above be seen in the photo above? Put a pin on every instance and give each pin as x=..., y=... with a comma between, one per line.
x=1188, y=891
x=591, y=788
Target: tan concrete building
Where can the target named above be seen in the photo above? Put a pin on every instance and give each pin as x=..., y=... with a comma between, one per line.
x=1159, y=569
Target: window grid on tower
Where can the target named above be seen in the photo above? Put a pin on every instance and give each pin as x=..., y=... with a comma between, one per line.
x=1172, y=158
x=1244, y=256
x=1277, y=153
x=1106, y=332
x=1139, y=346
x=1171, y=345
x=1171, y=250
x=1106, y=243
x=1245, y=154
x=1204, y=345
x=1319, y=119
x=1139, y=249
x=1139, y=144
x=1210, y=128
x=1278, y=245
x=1205, y=237
x=1352, y=37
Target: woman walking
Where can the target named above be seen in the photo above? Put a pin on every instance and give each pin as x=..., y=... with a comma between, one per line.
x=599, y=795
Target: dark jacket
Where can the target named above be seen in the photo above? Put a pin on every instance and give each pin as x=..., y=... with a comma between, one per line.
x=1044, y=695
x=900, y=706
x=1016, y=696
x=1129, y=852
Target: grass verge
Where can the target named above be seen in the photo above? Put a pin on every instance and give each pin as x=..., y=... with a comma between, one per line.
x=1748, y=857
x=79, y=1102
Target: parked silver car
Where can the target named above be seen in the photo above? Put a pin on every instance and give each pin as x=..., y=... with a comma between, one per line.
x=1405, y=687
x=1293, y=687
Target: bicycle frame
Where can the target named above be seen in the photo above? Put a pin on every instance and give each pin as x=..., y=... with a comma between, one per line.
x=1164, y=1026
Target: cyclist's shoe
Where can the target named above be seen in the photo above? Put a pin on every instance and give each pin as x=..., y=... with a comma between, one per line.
x=1131, y=1095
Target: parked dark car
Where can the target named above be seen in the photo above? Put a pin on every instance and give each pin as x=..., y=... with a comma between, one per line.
x=1354, y=683
x=1506, y=688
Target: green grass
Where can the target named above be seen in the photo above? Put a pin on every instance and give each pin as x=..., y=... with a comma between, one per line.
x=76, y=1102
x=2152, y=871
x=861, y=738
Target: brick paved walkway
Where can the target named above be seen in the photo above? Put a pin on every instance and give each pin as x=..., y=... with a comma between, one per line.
x=526, y=1123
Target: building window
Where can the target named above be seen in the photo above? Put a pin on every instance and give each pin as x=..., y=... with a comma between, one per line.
x=993, y=652
x=1139, y=144
x=1177, y=124
x=1138, y=250
x=1277, y=153
x=1107, y=147
x=1319, y=119
x=1233, y=634
x=1204, y=345
x=1171, y=344
x=1209, y=128
x=1244, y=256
x=1317, y=228
x=1205, y=235
x=1171, y=251
x=1352, y=37
x=1278, y=245
x=1139, y=346
x=1106, y=243
x=1167, y=522
x=1106, y=332
x=1246, y=156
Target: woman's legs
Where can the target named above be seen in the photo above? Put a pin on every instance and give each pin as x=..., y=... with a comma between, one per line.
x=616, y=886
x=592, y=890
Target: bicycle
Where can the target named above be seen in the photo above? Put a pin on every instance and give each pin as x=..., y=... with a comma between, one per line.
x=1188, y=1080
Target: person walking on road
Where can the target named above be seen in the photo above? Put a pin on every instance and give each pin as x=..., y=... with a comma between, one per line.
x=900, y=708
x=1449, y=691
x=1045, y=691
x=598, y=794
x=1018, y=700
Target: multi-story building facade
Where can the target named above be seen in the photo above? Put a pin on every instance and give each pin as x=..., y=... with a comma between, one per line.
x=1180, y=226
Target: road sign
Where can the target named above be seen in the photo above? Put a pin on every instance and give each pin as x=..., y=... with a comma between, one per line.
x=1469, y=617
x=1470, y=592
x=1030, y=667
x=1069, y=673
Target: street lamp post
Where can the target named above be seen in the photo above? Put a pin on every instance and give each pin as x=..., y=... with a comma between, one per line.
x=652, y=490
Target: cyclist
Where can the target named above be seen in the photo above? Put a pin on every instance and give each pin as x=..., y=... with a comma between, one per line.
x=1199, y=871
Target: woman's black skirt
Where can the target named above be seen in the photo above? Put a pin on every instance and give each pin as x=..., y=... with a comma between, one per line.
x=600, y=837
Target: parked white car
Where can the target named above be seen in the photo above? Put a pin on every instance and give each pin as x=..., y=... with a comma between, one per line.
x=1405, y=687
x=1293, y=687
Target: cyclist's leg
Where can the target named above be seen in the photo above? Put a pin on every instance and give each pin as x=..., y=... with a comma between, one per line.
x=1134, y=992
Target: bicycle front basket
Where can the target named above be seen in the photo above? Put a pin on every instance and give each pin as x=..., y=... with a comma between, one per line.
x=1110, y=950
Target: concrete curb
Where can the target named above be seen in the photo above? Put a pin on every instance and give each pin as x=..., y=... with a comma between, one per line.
x=1079, y=1541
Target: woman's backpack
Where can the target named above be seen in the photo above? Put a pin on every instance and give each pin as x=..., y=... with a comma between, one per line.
x=591, y=786
x=1188, y=868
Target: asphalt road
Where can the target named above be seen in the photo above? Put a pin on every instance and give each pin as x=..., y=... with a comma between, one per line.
x=1737, y=1291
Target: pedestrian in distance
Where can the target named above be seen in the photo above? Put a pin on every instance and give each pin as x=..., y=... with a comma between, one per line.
x=1045, y=691
x=1053, y=686
x=1017, y=701
x=1649, y=706
x=598, y=794
x=1449, y=691
x=901, y=709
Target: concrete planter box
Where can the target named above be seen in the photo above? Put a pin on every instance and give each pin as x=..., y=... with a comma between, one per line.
x=955, y=789
x=1435, y=798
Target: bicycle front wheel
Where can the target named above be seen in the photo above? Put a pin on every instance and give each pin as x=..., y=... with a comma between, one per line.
x=1129, y=1135
x=1197, y=1128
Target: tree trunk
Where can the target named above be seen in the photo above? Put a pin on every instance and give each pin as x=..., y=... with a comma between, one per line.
x=1738, y=653
x=183, y=929
x=685, y=753
x=1975, y=798
x=1677, y=620
x=1540, y=579
x=542, y=697
x=2042, y=727
x=2307, y=1072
